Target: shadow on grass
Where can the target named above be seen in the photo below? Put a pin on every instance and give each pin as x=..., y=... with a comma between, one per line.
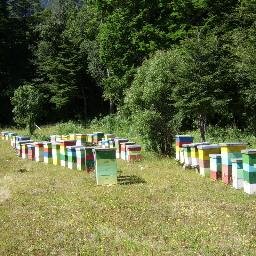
x=129, y=179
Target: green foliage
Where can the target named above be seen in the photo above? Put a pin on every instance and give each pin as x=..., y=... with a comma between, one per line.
x=27, y=102
x=69, y=127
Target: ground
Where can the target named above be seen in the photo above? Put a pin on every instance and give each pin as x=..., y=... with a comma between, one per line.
x=156, y=209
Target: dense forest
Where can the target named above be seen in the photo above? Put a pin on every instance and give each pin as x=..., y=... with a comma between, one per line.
x=166, y=65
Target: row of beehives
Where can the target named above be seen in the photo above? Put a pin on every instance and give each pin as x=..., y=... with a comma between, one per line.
x=230, y=162
x=79, y=151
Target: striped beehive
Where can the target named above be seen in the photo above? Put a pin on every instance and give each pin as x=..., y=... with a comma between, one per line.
x=106, y=167
x=63, y=151
x=3, y=134
x=123, y=149
x=72, y=136
x=97, y=136
x=65, y=137
x=39, y=151
x=133, y=152
x=89, y=159
x=109, y=136
x=48, y=152
x=20, y=138
x=204, y=160
x=180, y=140
x=194, y=153
x=56, y=153
x=13, y=141
x=81, y=139
x=104, y=143
x=80, y=158
x=89, y=138
x=187, y=155
x=111, y=143
x=11, y=137
x=215, y=166
x=19, y=146
x=71, y=152
x=53, y=138
x=249, y=170
x=31, y=151
x=229, y=151
x=24, y=150
x=118, y=142
x=237, y=173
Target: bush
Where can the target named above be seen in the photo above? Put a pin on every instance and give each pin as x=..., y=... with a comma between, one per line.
x=69, y=127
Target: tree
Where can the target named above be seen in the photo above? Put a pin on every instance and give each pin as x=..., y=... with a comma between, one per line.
x=27, y=102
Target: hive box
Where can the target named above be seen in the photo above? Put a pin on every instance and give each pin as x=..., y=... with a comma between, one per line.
x=133, y=152
x=90, y=138
x=180, y=140
x=123, y=146
x=97, y=136
x=105, y=165
x=72, y=159
x=3, y=134
x=194, y=153
x=63, y=151
x=19, y=146
x=31, y=151
x=56, y=153
x=48, y=152
x=39, y=151
x=81, y=139
x=249, y=170
x=237, y=173
x=204, y=159
x=215, y=166
x=228, y=152
x=24, y=150
x=118, y=142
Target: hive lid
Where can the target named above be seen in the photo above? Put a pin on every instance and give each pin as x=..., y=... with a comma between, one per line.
x=186, y=136
x=230, y=144
x=133, y=146
x=249, y=151
x=236, y=160
x=210, y=146
x=215, y=155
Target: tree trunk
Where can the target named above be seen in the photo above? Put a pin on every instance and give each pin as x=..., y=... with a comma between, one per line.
x=202, y=126
x=111, y=107
x=85, y=113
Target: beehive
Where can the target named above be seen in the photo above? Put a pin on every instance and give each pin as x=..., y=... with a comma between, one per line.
x=237, y=173
x=118, y=142
x=19, y=146
x=123, y=149
x=187, y=154
x=109, y=136
x=13, y=141
x=133, y=153
x=90, y=138
x=20, y=138
x=71, y=152
x=39, y=151
x=180, y=140
x=81, y=139
x=63, y=151
x=53, y=138
x=194, y=153
x=97, y=136
x=106, y=167
x=65, y=137
x=3, y=134
x=229, y=151
x=56, y=153
x=24, y=150
x=249, y=170
x=48, y=152
x=215, y=166
x=204, y=160
x=31, y=151
x=72, y=136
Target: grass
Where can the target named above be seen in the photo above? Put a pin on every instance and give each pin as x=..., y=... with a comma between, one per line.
x=156, y=209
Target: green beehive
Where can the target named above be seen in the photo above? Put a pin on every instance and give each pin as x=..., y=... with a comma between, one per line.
x=106, y=167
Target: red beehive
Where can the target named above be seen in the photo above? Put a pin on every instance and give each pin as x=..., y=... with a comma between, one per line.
x=133, y=152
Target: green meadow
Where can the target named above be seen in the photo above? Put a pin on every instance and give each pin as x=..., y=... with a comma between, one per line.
x=157, y=208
